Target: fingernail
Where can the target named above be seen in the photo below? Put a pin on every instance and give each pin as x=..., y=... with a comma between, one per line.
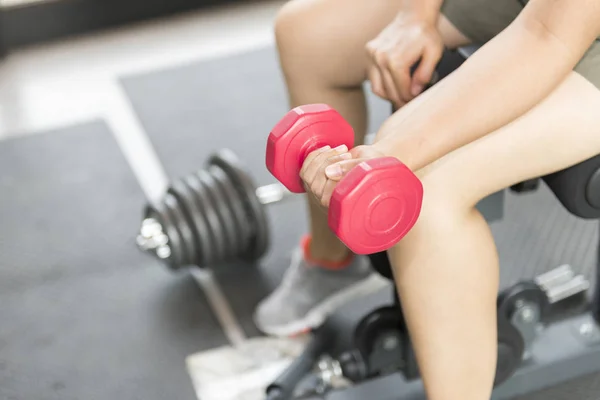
x=342, y=148
x=333, y=171
x=416, y=89
x=328, y=147
x=345, y=156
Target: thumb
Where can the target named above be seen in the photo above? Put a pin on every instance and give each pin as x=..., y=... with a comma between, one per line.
x=338, y=170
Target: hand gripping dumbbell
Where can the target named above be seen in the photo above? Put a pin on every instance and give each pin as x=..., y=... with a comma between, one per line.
x=373, y=206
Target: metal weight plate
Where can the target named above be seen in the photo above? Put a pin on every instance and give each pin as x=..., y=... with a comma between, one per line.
x=228, y=161
x=207, y=207
x=195, y=219
x=510, y=350
x=523, y=291
x=232, y=245
x=182, y=225
x=234, y=210
x=206, y=242
x=162, y=215
x=375, y=323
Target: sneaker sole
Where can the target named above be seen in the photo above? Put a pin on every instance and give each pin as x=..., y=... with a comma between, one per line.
x=317, y=315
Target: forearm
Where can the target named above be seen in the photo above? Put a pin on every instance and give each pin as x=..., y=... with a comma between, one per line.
x=499, y=83
x=426, y=9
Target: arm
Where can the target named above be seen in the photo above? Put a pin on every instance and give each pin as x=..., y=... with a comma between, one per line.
x=427, y=9
x=500, y=82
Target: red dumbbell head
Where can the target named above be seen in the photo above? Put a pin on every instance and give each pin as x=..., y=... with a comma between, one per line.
x=375, y=205
x=301, y=131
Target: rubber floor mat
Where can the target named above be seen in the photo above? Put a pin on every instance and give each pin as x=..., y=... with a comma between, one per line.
x=83, y=313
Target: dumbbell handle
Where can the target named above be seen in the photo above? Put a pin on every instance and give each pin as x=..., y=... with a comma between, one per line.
x=272, y=193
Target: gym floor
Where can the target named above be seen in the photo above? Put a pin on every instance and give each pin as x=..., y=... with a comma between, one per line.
x=75, y=80
x=48, y=87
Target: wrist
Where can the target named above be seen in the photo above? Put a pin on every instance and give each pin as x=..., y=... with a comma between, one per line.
x=411, y=151
x=423, y=12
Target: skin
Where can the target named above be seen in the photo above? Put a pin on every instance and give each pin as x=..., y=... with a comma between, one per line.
x=538, y=117
x=411, y=38
x=310, y=31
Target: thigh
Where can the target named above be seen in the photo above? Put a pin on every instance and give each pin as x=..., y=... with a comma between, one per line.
x=562, y=131
x=325, y=39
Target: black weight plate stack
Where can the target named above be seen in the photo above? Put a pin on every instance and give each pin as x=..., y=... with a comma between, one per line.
x=215, y=231
x=162, y=215
x=234, y=213
x=246, y=189
x=227, y=233
x=195, y=219
x=182, y=225
x=213, y=216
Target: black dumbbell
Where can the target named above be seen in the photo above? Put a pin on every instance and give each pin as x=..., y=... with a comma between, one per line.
x=212, y=216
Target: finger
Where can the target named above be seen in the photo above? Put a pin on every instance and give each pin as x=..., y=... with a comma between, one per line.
x=424, y=72
x=338, y=170
x=373, y=73
x=400, y=68
x=312, y=169
x=311, y=156
x=400, y=72
x=328, y=192
x=320, y=179
x=390, y=86
x=376, y=82
x=317, y=186
x=389, y=89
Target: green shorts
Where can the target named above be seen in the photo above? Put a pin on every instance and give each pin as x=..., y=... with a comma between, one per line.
x=481, y=20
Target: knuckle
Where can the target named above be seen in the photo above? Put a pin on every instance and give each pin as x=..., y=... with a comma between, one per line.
x=371, y=47
x=417, y=31
x=322, y=159
x=396, y=63
x=314, y=187
x=327, y=162
x=381, y=57
x=302, y=174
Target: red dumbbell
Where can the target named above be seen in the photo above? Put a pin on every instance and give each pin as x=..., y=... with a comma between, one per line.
x=373, y=206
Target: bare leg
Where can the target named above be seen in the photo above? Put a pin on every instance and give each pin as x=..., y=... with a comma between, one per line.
x=322, y=52
x=446, y=268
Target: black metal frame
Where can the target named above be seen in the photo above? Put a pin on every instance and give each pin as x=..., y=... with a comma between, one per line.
x=2, y=46
x=596, y=299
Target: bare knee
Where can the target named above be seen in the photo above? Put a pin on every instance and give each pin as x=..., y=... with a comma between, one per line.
x=324, y=40
x=290, y=25
x=447, y=199
x=310, y=46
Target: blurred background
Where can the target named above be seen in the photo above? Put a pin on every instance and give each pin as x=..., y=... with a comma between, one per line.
x=58, y=56
x=83, y=313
